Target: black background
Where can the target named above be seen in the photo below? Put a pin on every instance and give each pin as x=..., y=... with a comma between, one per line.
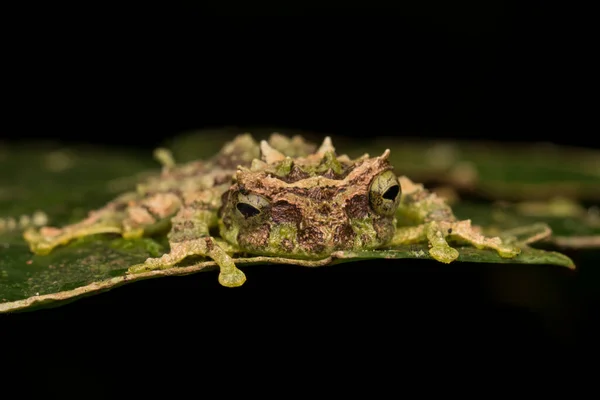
x=473, y=70
x=496, y=69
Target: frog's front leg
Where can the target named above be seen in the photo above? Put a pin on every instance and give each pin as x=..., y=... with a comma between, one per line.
x=431, y=232
x=436, y=223
x=190, y=236
x=437, y=233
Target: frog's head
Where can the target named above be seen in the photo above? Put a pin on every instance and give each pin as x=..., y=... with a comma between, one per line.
x=311, y=206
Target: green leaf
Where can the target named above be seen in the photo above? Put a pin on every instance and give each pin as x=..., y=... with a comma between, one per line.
x=96, y=264
x=66, y=183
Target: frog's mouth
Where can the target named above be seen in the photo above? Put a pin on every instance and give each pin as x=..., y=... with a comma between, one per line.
x=313, y=242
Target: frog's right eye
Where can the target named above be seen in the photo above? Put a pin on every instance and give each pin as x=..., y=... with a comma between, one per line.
x=384, y=193
x=250, y=205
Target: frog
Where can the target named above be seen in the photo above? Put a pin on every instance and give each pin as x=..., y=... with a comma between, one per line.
x=281, y=197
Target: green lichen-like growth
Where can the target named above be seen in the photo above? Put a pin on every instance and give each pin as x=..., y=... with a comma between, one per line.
x=283, y=169
x=330, y=162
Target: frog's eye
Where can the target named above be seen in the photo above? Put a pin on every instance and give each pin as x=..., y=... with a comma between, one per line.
x=250, y=205
x=384, y=193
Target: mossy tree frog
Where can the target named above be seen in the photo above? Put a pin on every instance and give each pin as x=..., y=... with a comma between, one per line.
x=282, y=197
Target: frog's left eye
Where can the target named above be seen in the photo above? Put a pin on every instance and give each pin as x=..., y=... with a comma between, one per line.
x=250, y=205
x=384, y=193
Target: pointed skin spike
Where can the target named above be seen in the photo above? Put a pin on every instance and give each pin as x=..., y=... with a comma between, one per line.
x=164, y=157
x=269, y=154
x=257, y=165
x=326, y=146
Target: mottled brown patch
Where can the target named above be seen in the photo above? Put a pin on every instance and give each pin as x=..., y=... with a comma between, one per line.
x=322, y=193
x=150, y=211
x=440, y=214
x=296, y=174
x=176, y=192
x=140, y=215
x=195, y=168
x=200, y=205
x=357, y=206
x=327, y=193
x=311, y=239
x=224, y=201
x=330, y=174
x=416, y=196
x=287, y=245
x=243, y=190
x=348, y=169
x=231, y=160
x=282, y=212
x=315, y=193
x=365, y=238
x=221, y=179
x=184, y=229
x=256, y=238
x=298, y=191
x=384, y=229
x=367, y=174
x=343, y=237
x=209, y=244
x=120, y=207
x=324, y=209
x=227, y=222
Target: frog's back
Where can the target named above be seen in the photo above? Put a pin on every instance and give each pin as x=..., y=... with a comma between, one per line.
x=204, y=174
x=184, y=194
x=218, y=170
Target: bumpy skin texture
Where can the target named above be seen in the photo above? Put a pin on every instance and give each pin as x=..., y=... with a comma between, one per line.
x=309, y=207
x=280, y=198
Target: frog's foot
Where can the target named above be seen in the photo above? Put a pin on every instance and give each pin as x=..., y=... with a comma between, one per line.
x=464, y=231
x=234, y=278
x=230, y=275
x=445, y=254
x=440, y=250
x=44, y=240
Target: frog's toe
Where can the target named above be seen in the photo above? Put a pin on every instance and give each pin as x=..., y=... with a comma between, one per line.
x=138, y=268
x=129, y=234
x=507, y=251
x=146, y=267
x=445, y=254
x=41, y=248
x=234, y=278
x=38, y=243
